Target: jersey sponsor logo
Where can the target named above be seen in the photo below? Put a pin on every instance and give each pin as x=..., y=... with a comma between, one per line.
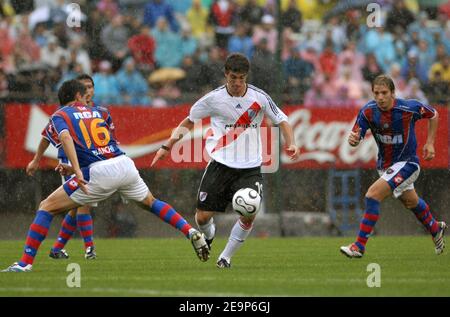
x=87, y=115
x=389, y=171
x=202, y=196
x=398, y=179
x=389, y=139
x=104, y=150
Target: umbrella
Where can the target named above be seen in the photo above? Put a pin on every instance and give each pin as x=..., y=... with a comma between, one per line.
x=346, y=5
x=166, y=74
x=37, y=16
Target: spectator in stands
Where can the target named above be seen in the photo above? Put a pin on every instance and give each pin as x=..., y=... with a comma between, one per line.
x=26, y=50
x=6, y=49
x=381, y=44
x=371, y=69
x=132, y=85
x=213, y=69
x=328, y=61
x=349, y=89
x=266, y=30
x=350, y=59
x=399, y=15
x=412, y=68
x=94, y=26
x=115, y=37
x=39, y=34
x=168, y=51
x=323, y=93
x=441, y=68
x=78, y=55
x=263, y=67
x=413, y=91
x=337, y=33
x=4, y=85
x=298, y=74
x=399, y=81
x=189, y=44
x=425, y=55
x=197, y=17
x=142, y=48
x=156, y=9
x=194, y=80
x=292, y=17
x=251, y=13
x=106, y=86
x=108, y=7
x=222, y=16
x=241, y=42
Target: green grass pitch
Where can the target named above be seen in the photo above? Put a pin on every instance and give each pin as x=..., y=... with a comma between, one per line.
x=262, y=267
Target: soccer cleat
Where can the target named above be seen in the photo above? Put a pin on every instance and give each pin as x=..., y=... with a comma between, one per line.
x=438, y=239
x=90, y=253
x=15, y=267
x=200, y=246
x=209, y=242
x=61, y=254
x=223, y=264
x=352, y=251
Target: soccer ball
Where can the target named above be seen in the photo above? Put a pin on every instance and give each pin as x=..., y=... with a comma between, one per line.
x=246, y=202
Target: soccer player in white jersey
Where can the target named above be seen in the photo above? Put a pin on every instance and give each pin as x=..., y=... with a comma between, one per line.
x=236, y=111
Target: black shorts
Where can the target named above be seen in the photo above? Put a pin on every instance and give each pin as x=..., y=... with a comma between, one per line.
x=220, y=182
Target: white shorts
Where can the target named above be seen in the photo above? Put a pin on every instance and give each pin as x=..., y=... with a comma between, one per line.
x=401, y=176
x=64, y=179
x=118, y=174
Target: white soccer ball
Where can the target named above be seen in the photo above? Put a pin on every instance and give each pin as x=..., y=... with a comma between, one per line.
x=246, y=202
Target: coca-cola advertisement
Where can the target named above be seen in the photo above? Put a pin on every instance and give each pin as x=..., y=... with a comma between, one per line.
x=321, y=135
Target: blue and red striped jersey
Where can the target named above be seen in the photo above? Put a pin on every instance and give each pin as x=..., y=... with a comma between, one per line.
x=393, y=130
x=92, y=130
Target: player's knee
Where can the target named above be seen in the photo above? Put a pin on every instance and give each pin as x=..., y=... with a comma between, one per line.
x=45, y=205
x=202, y=217
x=409, y=203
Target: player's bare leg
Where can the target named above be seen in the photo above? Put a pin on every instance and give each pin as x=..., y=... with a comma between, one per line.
x=421, y=210
x=374, y=196
x=168, y=214
x=239, y=233
x=54, y=204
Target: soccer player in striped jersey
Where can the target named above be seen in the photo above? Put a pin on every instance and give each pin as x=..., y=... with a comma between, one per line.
x=392, y=122
x=100, y=169
x=236, y=111
x=81, y=217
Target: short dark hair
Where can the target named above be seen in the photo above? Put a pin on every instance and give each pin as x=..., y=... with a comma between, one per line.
x=237, y=63
x=85, y=77
x=384, y=80
x=68, y=91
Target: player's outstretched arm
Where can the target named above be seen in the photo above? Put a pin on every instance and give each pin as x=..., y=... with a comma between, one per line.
x=185, y=126
x=428, y=148
x=288, y=135
x=34, y=163
x=69, y=149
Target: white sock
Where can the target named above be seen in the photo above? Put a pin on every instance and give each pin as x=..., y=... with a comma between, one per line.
x=237, y=237
x=209, y=229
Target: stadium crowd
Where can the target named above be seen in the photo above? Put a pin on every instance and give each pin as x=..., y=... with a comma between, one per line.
x=159, y=53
